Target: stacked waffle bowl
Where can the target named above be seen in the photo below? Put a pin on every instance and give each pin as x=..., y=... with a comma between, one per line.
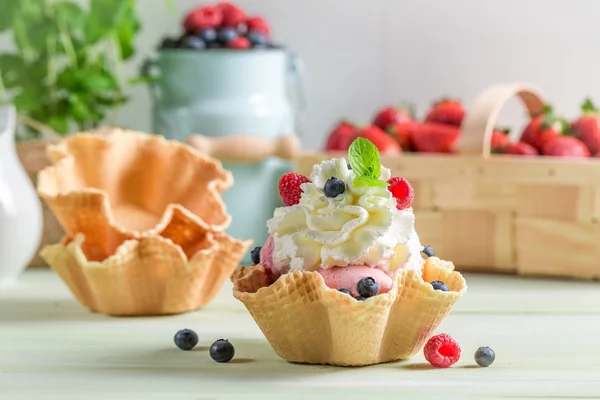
x=144, y=222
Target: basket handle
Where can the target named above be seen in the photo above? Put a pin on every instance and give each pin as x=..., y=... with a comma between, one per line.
x=246, y=148
x=479, y=122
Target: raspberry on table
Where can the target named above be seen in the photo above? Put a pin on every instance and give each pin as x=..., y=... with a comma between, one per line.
x=442, y=351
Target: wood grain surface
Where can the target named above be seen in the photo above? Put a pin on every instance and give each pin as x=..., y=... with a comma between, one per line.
x=545, y=334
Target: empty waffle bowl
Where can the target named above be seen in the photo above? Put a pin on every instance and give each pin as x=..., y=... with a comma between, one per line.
x=144, y=223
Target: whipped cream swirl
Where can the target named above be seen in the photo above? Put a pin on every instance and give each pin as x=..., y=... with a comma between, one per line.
x=361, y=226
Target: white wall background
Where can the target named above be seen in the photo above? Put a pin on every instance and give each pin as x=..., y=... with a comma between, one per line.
x=363, y=54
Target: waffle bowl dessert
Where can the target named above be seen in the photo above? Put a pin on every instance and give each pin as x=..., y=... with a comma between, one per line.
x=144, y=223
x=342, y=279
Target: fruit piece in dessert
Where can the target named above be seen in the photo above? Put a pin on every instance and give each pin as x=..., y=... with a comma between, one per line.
x=354, y=226
x=432, y=137
x=565, y=146
x=334, y=187
x=222, y=351
x=428, y=251
x=290, y=189
x=442, y=351
x=521, y=149
x=392, y=115
x=402, y=192
x=587, y=127
x=484, y=356
x=349, y=278
x=543, y=127
x=255, y=255
x=343, y=132
x=439, y=285
x=446, y=111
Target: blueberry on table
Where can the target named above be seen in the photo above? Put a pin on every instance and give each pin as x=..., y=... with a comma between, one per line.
x=222, y=351
x=439, y=285
x=208, y=34
x=367, y=287
x=428, y=251
x=334, y=187
x=342, y=290
x=192, y=42
x=484, y=356
x=257, y=38
x=186, y=339
x=255, y=255
x=226, y=35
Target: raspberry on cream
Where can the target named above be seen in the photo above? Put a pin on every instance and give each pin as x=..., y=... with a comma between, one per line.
x=360, y=226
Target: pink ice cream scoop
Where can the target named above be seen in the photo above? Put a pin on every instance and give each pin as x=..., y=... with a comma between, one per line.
x=335, y=278
x=348, y=277
x=266, y=259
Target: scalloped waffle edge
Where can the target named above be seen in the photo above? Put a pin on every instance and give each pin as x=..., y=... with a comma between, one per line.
x=149, y=276
x=133, y=167
x=307, y=322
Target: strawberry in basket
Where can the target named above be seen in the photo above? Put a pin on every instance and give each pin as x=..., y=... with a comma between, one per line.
x=543, y=127
x=587, y=127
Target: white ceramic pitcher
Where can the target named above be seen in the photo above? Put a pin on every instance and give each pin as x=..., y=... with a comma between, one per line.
x=20, y=208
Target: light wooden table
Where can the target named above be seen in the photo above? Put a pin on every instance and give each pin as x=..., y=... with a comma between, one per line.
x=546, y=335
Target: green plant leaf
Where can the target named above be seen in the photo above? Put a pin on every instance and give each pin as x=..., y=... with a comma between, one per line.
x=73, y=18
x=40, y=33
x=27, y=100
x=364, y=158
x=125, y=33
x=112, y=101
x=364, y=181
x=60, y=123
x=12, y=68
x=99, y=82
x=10, y=9
x=104, y=17
x=82, y=111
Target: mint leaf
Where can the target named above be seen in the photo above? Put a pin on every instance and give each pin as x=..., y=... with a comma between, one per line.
x=364, y=159
x=364, y=181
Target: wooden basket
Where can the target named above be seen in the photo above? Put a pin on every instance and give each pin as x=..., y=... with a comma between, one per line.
x=488, y=212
